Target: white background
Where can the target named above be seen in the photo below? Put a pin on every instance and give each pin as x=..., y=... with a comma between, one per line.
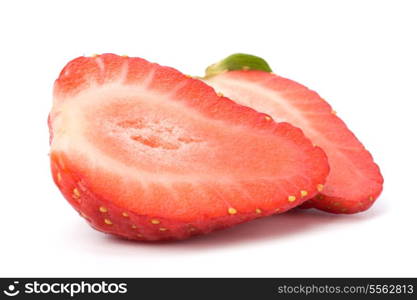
x=359, y=55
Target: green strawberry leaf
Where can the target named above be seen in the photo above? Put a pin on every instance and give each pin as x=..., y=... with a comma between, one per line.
x=238, y=61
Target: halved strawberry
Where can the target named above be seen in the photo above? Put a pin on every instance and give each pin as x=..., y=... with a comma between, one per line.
x=355, y=180
x=145, y=152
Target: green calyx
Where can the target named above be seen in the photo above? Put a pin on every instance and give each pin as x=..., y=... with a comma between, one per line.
x=238, y=61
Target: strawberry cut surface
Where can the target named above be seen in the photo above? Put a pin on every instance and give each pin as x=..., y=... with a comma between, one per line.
x=144, y=152
x=354, y=181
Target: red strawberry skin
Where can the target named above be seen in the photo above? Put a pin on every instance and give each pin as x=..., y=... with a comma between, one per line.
x=354, y=181
x=107, y=217
x=238, y=176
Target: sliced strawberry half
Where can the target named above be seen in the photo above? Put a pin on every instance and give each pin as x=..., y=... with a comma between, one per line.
x=355, y=180
x=144, y=152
